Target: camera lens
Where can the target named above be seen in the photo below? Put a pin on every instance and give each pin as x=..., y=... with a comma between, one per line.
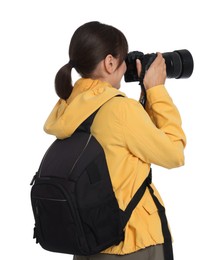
x=179, y=64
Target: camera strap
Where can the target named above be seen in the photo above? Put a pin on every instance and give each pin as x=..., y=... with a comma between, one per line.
x=146, y=62
x=143, y=98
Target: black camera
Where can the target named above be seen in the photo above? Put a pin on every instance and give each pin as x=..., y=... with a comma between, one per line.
x=179, y=64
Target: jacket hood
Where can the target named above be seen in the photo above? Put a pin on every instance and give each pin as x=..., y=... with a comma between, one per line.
x=87, y=96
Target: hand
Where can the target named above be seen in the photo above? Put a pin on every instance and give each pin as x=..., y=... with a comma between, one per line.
x=156, y=74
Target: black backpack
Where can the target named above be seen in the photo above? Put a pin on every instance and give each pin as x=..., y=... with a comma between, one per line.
x=73, y=203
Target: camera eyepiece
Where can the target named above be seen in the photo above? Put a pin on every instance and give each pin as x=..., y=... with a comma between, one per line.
x=179, y=64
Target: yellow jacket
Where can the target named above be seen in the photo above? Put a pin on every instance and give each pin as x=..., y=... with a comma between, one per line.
x=133, y=138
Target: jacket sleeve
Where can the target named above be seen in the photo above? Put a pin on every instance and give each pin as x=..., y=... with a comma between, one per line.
x=154, y=134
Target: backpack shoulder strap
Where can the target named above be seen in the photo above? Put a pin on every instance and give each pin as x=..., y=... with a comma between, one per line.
x=135, y=200
x=86, y=125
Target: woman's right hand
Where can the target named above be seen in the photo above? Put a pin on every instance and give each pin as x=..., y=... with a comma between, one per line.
x=156, y=74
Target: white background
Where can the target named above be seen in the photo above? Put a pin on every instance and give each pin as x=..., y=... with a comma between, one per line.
x=34, y=44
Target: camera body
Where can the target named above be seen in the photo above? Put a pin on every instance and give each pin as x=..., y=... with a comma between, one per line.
x=179, y=64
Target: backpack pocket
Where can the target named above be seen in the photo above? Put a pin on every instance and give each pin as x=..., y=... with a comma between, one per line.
x=56, y=226
x=102, y=225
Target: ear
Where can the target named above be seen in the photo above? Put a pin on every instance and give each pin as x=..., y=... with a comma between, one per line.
x=110, y=63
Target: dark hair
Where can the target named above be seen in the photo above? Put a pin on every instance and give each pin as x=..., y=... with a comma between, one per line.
x=89, y=45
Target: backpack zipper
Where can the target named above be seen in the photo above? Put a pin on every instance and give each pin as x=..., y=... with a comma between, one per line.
x=89, y=138
x=49, y=199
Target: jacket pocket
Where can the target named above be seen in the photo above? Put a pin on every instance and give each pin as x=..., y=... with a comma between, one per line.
x=149, y=205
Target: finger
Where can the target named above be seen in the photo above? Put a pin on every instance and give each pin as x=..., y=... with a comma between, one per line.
x=159, y=57
x=138, y=67
x=159, y=60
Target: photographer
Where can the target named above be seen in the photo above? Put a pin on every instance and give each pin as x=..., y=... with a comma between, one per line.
x=133, y=138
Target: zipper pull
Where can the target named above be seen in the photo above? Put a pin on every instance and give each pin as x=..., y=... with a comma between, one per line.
x=33, y=179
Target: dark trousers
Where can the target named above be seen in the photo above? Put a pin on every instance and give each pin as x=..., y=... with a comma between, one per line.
x=149, y=253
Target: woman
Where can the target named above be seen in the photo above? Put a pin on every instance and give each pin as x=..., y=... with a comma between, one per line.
x=133, y=138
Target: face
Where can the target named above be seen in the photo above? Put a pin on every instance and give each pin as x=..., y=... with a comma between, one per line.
x=117, y=75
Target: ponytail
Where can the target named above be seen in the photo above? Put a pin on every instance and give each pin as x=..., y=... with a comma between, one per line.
x=63, y=81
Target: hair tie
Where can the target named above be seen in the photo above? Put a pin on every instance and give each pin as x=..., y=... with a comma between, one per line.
x=72, y=63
